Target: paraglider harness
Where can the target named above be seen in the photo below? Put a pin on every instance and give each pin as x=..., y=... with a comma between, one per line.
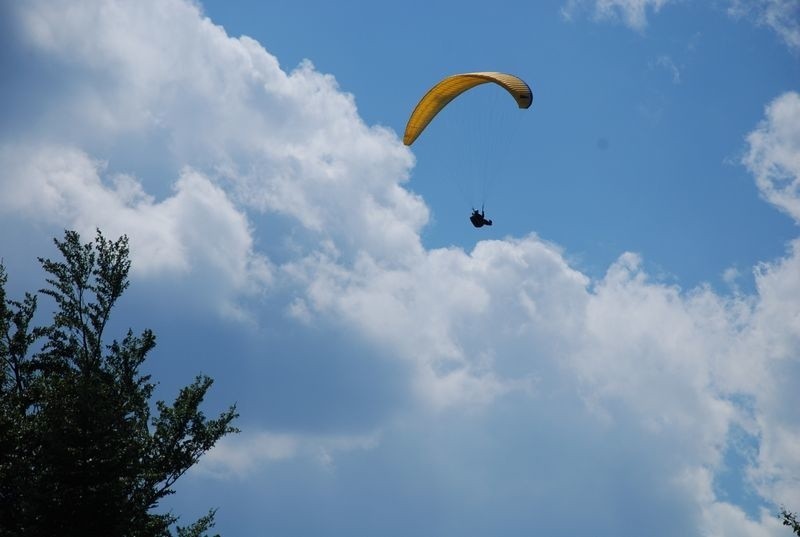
x=478, y=218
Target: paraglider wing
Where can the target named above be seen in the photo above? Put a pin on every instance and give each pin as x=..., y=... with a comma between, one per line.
x=451, y=87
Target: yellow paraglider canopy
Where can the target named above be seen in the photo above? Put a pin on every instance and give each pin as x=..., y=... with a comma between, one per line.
x=451, y=87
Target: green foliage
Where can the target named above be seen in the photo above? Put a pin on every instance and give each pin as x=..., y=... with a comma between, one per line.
x=790, y=519
x=80, y=452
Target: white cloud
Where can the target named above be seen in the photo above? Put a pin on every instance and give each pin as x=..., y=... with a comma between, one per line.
x=655, y=348
x=194, y=230
x=633, y=13
x=782, y=16
x=449, y=312
x=290, y=143
x=774, y=336
x=722, y=519
x=774, y=154
x=243, y=454
x=246, y=135
x=513, y=315
x=665, y=62
x=730, y=275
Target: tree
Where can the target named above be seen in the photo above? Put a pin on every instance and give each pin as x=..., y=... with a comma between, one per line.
x=81, y=450
x=790, y=519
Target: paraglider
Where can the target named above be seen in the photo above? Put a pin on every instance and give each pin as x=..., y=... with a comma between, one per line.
x=479, y=219
x=451, y=87
x=440, y=95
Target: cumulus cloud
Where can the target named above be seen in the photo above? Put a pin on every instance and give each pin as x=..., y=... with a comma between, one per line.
x=162, y=89
x=461, y=309
x=722, y=519
x=291, y=143
x=197, y=228
x=773, y=154
x=774, y=336
x=514, y=316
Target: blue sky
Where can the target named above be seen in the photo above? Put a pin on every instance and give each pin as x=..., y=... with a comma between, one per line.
x=616, y=352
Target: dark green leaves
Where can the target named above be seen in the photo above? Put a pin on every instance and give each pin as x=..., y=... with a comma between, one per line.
x=790, y=519
x=80, y=452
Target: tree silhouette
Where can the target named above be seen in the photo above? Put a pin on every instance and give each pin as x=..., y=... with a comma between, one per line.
x=81, y=451
x=790, y=519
